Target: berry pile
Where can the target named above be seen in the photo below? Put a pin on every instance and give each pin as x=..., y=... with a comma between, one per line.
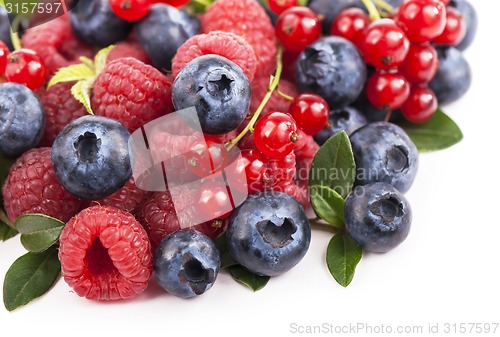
x=178, y=138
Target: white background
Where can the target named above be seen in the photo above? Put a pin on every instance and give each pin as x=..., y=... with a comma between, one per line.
x=446, y=271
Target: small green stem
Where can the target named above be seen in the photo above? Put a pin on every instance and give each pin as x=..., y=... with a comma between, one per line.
x=372, y=10
x=5, y=219
x=14, y=36
x=204, y=3
x=384, y=6
x=282, y=94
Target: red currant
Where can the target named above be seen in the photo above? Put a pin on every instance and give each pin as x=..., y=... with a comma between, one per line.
x=4, y=52
x=212, y=201
x=422, y=20
x=387, y=91
x=351, y=24
x=255, y=170
x=176, y=3
x=298, y=27
x=445, y=2
x=275, y=134
x=207, y=157
x=130, y=10
x=310, y=112
x=421, y=63
x=385, y=45
x=25, y=67
x=455, y=29
x=420, y=105
x=279, y=6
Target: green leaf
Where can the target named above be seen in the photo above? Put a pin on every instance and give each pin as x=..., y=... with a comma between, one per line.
x=6, y=232
x=226, y=260
x=328, y=205
x=29, y=277
x=81, y=92
x=342, y=257
x=247, y=278
x=439, y=133
x=76, y=72
x=38, y=231
x=101, y=58
x=334, y=166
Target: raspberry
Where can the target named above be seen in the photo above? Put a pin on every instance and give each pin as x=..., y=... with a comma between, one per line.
x=129, y=48
x=105, y=254
x=61, y=108
x=225, y=44
x=55, y=44
x=248, y=19
x=132, y=92
x=276, y=102
x=126, y=198
x=32, y=187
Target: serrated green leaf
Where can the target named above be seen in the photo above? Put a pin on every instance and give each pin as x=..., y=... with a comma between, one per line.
x=81, y=92
x=29, y=277
x=226, y=260
x=75, y=72
x=342, y=257
x=6, y=232
x=247, y=278
x=333, y=166
x=101, y=58
x=38, y=231
x=88, y=62
x=439, y=133
x=328, y=205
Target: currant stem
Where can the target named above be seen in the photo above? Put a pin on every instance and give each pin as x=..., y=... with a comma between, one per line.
x=5, y=219
x=388, y=116
x=282, y=94
x=14, y=36
x=372, y=10
x=275, y=80
x=384, y=5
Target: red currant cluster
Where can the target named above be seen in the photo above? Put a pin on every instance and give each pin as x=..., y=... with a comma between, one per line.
x=22, y=66
x=402, y=51
x=134, y=10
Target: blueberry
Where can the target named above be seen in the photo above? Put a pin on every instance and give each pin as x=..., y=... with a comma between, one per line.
x=453, y=78
x=163, y=31
x=269, y=233
x=22, y=119
x=383, y=152
x=94, y=22
x=470, y=18
x=5, y=28
x=329, y=9
x=348, y=119
x=377, y=217
x=218, y=89
x=332, y=68
x=90, y=157
x=186, y=263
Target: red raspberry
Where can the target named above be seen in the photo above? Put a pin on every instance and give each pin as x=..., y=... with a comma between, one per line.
x=129, y=48
x=276, y=102
x=248, y=19
x=55, y=44
x=105, y=254
x=228, y=45
x=32, y=187
x=126, y=198
x=61, y=108
x=132, y=92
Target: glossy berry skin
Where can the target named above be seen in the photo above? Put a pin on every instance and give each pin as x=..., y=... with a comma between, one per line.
x=421, y=64
x=351, y=24
x=453, y=78
x=385, y=45
x=348, y=119
x=332, y=68
x=218, y=89
x=269, y=233
x=91, y=157
x=275, y=135
x=422, y=20
x=420, y=105
x=25, y=67
x=130, y=10
x=387, y=91
x=297, y=27
x=383, y=152
x=329, y=10
x=95, y=23
x=471, y=20
x=22, y=119
x=455, y=29
x=212, y=201
x=310, y=112
x=4, y=52
x=378, y=217
x=255, y=170
x=279, y=6
x=186, y=263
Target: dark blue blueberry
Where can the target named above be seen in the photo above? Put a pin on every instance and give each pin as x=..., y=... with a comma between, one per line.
x=269, y=233
x=91, y=158
x=329, y=9
x=218, y=89
x=5, y=28
x=348, y=119
x=94, y=22
x=186, y=263
x=470, y=18
x=383, y=152
x=453, y=78
x=377, y=217
x=163, y=31
x=332, y=68
x=22, y=119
